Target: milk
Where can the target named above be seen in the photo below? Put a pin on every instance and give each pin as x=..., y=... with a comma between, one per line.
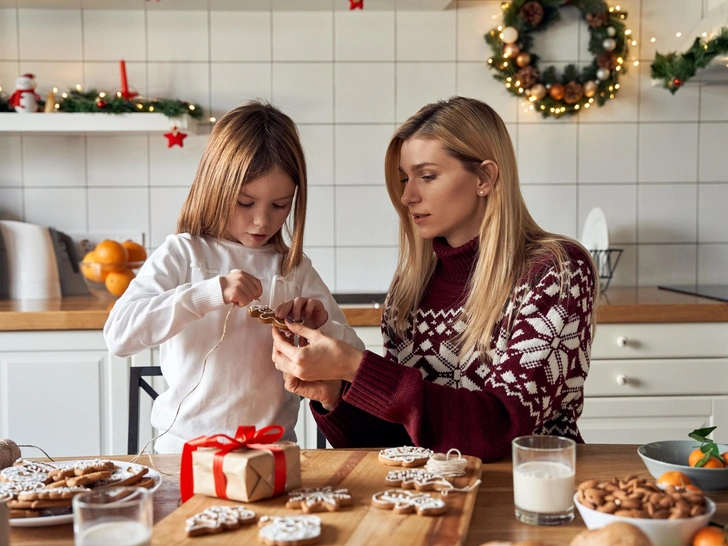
x=543, y=487
x=115, y=533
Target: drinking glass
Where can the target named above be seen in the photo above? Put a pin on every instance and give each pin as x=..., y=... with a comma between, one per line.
x=120, y=516
x=543, y=479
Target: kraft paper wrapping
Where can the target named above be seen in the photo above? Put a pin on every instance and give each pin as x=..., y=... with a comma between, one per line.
x=250, y=472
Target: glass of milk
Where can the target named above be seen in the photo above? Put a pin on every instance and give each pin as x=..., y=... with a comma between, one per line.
x=120, y=516
x=543, y=479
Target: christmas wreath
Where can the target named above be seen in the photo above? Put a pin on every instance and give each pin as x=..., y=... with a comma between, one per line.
x=517, y=65
x=674, y=69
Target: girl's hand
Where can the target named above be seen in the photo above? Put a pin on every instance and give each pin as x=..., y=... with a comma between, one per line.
x=325, y=392
x=240, y=288
x=312, y=312
x=319, y=358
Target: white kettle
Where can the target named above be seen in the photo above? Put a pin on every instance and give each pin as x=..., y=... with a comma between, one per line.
x=32, y=269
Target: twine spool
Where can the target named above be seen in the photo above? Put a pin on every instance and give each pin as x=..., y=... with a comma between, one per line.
x=9, y=453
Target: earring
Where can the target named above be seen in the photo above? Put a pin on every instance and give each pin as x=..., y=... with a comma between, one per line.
x=481, y=193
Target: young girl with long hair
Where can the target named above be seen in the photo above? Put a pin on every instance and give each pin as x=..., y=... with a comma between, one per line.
x=229, y=251
x=489, y=319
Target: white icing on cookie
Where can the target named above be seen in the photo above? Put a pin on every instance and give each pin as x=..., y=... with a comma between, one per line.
x=290, y=528
x=406, y=454
x=406, y=501
x=317, y=499
x=217, y=517
x=15, y=488
x=27, y=471
x=419, y=478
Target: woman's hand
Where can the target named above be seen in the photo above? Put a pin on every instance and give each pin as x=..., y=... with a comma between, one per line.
x=312, y=311
x=240, y=288
x=319, y=358
x=325, y=392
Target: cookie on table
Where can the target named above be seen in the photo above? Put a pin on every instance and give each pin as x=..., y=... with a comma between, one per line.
x=55, y=493
x=289, y=530
x=319, y=499
x=129, y=477
x=217, y=519
x=81, y=468
x=88, y=479
x=418, y=479
x=27, y=471
x=407, y=456
x=403, y=501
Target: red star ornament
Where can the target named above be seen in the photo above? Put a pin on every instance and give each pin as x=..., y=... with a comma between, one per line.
x=356, y=4
x=175, y=137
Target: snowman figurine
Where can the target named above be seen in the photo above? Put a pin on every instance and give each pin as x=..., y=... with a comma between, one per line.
x=25, y=99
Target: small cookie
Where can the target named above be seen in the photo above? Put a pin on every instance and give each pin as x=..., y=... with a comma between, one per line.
x=146, y=483
x=13, y=489
x=131, y=476
x=54, y=493
x=319, y=499
x=402, y=501
x=82, y=468
x=19, y=514
x=217, y=519
x=88, y=479
x=289, y=530
x=27, y=471
x=417, y=478
x=266, y=315
x=39, y=504
x=406, y=456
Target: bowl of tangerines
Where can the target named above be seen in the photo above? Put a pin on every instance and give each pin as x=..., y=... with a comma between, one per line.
x=700, y=462
x=111, y=266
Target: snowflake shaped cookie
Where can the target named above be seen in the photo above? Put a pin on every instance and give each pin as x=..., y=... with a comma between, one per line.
x=217, y=519
x=319, y=499
x=27, y=471
x=401, y=501
x=406, y=456
x=417, y=478
x=289, y=530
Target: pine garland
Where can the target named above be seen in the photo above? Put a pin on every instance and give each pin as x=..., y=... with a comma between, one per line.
x=674, y=69
x=5, y=104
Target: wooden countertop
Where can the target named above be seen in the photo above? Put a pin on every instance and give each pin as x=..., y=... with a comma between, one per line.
x=493, y=517
x=617, y=305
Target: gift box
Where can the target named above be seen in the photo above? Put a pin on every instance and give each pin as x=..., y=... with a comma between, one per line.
x=251, y=466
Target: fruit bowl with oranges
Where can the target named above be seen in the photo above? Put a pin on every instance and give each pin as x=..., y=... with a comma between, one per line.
x=111, y=266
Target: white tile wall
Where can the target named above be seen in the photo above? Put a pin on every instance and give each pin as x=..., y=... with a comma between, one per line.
x=654, y=162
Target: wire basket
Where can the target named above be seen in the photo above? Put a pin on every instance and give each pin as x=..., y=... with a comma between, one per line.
x=606, y=262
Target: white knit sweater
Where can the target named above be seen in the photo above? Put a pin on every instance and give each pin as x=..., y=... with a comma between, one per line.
x=176, y=302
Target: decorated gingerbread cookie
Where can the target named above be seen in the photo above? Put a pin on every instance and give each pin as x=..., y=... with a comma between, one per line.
x=417, y=478
x=81, y=468
x=27, y=471
x=289, y=530
x=266, y=315
x=217, y=519
x=406, y=456
x=402, y=501
x=319, y=499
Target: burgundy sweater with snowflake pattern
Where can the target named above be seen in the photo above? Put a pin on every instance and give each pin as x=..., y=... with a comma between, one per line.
x=530, y=382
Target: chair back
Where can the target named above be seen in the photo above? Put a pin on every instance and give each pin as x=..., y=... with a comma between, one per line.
x=136, y=382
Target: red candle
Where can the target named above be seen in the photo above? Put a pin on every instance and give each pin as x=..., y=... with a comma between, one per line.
x=124, y=85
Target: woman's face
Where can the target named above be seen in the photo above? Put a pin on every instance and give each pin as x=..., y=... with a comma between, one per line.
x=262, y=208
x=443, y=198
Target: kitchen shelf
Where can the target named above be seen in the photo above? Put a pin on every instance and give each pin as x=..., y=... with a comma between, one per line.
x=65, y=123
x=230, y=5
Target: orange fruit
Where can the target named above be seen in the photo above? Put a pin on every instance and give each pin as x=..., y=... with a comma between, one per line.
x=695, y=456
x=111, y=252
x=676, y=479
x=136, y=252
x=713, y=462
x=710, y=536
x=91, y=269
x=118, y=281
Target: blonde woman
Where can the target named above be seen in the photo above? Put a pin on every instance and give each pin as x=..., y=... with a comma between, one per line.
x=228, y=249
x=488, y=322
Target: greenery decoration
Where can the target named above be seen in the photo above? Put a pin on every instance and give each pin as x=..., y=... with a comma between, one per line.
x=517, y=65
x=675, y=69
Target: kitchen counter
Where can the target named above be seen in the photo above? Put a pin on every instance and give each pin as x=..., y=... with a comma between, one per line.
x=617, y=305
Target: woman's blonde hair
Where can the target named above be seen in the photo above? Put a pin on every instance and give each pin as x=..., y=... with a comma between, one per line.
x=509, y=238
x=247, y=143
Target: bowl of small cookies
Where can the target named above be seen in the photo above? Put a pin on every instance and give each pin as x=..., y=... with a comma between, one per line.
x=669, y=516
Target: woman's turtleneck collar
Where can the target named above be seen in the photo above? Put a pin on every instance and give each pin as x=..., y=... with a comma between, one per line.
x=455, y=264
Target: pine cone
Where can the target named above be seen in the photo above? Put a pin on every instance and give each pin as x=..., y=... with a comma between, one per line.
x=573, y=92
x=528, y=76
x=607, y=60
x=532, y=12
x=597, y=20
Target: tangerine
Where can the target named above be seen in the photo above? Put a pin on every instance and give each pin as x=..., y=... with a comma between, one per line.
x=118, y=281
x=695, y=456
x=713, y=462
x=676, y=479
x=91, y=269
x=137, y=253
x=710, y=536
x=112, y=253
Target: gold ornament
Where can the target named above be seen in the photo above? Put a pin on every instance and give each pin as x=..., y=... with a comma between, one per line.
x=511, y=50
x=590, y=89
x=50, y=105
x=557, y=91
x=538, y=91
x=523, y=59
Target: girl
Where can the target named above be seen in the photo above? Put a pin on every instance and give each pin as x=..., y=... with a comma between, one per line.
x=488, y=322
x=229, y=249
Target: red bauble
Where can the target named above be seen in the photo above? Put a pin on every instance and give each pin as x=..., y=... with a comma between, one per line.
x=101, y=103
x=677, y=82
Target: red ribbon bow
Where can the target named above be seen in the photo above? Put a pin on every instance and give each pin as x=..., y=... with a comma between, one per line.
x=245, y=437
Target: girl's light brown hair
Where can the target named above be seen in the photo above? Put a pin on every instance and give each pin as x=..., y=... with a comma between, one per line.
x=247, y=143
x=510, y=241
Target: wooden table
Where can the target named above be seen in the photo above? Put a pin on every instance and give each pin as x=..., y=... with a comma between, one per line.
x=492, y=519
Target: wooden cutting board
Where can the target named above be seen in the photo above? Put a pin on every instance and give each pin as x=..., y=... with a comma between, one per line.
x=360, y=524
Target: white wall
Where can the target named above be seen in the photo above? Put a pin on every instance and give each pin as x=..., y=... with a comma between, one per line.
x=655, y=163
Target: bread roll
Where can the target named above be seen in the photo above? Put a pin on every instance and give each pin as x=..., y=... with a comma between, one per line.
x=614, y=534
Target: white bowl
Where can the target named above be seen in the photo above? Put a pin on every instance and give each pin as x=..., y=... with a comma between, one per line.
x=662, y=532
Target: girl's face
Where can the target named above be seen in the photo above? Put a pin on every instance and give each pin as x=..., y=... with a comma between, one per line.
x=262, y=208
x=444, y=199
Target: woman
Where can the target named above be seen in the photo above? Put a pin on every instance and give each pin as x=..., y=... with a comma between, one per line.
x=489, y=319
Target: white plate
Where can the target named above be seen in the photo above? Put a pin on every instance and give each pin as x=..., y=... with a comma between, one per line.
x=595, y=234
x=47, y=521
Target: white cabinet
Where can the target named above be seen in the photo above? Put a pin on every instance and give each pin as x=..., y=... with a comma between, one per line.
x=652, y=382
